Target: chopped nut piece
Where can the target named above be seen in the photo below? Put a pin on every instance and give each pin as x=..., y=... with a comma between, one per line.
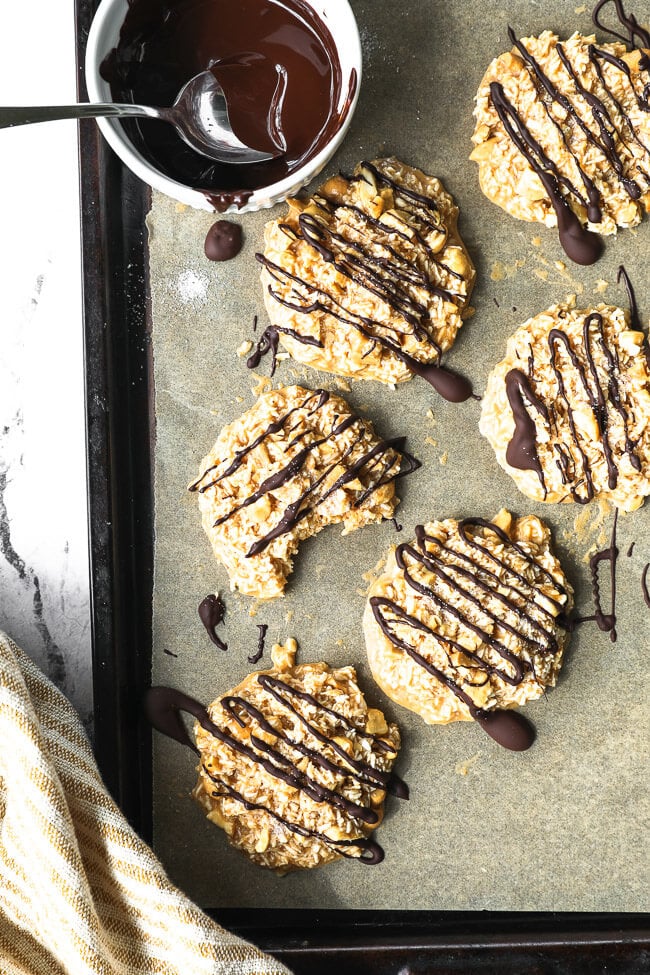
x=376, y=722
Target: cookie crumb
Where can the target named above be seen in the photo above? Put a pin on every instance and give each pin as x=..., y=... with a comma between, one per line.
x=263, y=383
x=463, y=768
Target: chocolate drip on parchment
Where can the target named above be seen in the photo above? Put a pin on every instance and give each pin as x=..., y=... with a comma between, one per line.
x=636, y=35
x=635, y=318
x=606, y=621
x=388, y=276
x=485, y=587
x=380, y=464
x=262, y=629
x=644, y=585
x=567, y=357
x=211, y=613
x=605, y=134
x=163, y=706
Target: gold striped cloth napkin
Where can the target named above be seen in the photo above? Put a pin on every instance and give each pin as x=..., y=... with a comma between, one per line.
x=80, y=893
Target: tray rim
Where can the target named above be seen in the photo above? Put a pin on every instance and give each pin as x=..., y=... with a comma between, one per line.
x=120, y=432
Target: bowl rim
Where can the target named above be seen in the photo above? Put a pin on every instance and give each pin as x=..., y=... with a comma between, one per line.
x=261, y=198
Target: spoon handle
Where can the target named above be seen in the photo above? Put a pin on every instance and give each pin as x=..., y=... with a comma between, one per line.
x=37, y=113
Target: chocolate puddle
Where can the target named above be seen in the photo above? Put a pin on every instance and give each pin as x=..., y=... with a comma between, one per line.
x=211, y=612
x=223, y=241
x=279, y=68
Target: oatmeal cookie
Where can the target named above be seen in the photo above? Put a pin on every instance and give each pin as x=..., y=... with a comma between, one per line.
x=568, y=409
x=297, y=461
x=295, y=767
x=563, y=133
x=466, y=620
x=368, y=278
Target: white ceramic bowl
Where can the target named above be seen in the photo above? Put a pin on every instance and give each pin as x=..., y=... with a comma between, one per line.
x=103, y=37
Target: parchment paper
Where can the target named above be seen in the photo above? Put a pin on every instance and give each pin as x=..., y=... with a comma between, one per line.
x=563, y=826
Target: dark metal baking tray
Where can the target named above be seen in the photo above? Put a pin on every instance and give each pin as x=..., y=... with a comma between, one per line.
x=120, y=437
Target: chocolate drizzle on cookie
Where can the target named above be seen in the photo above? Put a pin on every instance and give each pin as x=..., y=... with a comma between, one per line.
x=609, y=135
x=282, y=759
x=371, y=852
x=483, y=596
x=581, y=245
x=522, y=449
x=373, y=264
x=560, y=417
x=374, y=465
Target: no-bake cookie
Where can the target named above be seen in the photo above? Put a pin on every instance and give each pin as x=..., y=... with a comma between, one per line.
x=295, y=767
x=297, y=461
x=369, y=278
x=568, y=409
x=562, y=136
x=467, y=619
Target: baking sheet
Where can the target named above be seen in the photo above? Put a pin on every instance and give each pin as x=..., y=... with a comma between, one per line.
x=562, y=827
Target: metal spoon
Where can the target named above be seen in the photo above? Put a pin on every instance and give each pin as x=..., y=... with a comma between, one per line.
x=200, y=115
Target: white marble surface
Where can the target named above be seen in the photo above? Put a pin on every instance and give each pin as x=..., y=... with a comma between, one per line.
x=44, y=595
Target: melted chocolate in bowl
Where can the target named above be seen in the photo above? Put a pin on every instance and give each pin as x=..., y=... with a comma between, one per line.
x=276, y=61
